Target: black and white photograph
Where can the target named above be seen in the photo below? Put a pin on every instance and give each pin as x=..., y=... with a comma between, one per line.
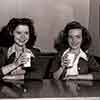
x=50, y=49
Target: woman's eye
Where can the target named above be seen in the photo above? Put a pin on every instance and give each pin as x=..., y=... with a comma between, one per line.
x=27, y=33
x=78, y=37
x=18, y=32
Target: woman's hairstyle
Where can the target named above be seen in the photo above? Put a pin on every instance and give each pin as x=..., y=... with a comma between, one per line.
x=62, y=40
x=13, y=23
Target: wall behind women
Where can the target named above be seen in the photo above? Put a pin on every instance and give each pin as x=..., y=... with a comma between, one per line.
x=94, y=26
x=50, y=16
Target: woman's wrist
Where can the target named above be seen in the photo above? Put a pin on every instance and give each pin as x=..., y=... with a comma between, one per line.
x=80, y=77
x=63, y=67
x=8, y=68
x=16, y=63
x=85, y=76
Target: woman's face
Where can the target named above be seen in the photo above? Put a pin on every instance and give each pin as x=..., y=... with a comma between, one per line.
x=21, y=35
x=75, y=38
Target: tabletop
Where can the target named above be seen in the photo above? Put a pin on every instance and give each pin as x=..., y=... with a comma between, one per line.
x=49, y=88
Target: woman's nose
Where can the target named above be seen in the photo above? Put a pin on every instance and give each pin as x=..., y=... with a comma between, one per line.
x=23, y=36
x=73, y=40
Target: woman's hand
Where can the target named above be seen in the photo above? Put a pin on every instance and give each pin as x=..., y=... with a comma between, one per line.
x=71, y=77
x=13, y=77
x=21, y=60
x=57, y=74
x=80, y=77
x=18, y=71
x=65, y=61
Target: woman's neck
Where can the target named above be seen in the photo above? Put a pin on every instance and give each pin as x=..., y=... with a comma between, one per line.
x=19, y=48
x=76, y=51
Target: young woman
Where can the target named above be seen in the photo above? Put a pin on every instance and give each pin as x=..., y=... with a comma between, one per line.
x=74, y=41
x=13, y=58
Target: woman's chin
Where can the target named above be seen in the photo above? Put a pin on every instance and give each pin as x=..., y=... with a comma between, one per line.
x=75, y=48
x=20, y=44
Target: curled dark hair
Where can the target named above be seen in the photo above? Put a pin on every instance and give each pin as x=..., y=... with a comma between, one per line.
x=13, y=23
x=62, y=40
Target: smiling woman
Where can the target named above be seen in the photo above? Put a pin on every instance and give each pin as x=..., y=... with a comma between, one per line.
x=21, y=35
x=17, y=60
x=73, y=60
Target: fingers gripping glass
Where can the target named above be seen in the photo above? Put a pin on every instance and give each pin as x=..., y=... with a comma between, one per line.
x=68, y=60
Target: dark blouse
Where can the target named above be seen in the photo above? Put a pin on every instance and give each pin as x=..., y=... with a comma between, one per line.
x=84, y=67
x=30, y=72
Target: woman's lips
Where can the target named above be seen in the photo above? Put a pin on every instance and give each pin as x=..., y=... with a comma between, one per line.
x=22, y=41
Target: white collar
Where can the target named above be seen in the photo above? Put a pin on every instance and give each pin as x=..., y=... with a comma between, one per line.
x=12, y=50
x=82, y=54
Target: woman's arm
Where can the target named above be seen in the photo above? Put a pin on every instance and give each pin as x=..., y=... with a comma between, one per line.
x=93, y=71
x=56, y=68
x=94, y=68
x=13, y=66
x=4, y=67
x=57, y=74
x=8, y=68
x=80, y=77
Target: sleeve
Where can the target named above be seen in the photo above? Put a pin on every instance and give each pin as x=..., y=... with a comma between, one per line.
x=1, y=74
x=94, y=68
x=56, y=64
x=3, y=59
x=3, y=56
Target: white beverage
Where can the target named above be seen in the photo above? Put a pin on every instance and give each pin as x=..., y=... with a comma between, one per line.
x=69, y=57
x=28, y=64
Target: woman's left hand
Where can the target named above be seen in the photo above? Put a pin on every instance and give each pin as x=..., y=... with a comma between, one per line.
x=71, y=77
x=80, y=77
x=17, y=71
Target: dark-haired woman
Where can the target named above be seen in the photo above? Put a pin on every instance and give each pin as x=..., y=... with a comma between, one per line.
x=74, y=39
x=14, y=57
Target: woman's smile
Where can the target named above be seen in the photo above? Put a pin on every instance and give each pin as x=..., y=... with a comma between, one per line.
x=75, y=38
x=21, y=35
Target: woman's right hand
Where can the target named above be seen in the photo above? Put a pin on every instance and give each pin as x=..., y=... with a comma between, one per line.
x=68, y=59
x=18, y=71
x=57, y=74
x=17, y=63
x=21, y=60
x=65, y=61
